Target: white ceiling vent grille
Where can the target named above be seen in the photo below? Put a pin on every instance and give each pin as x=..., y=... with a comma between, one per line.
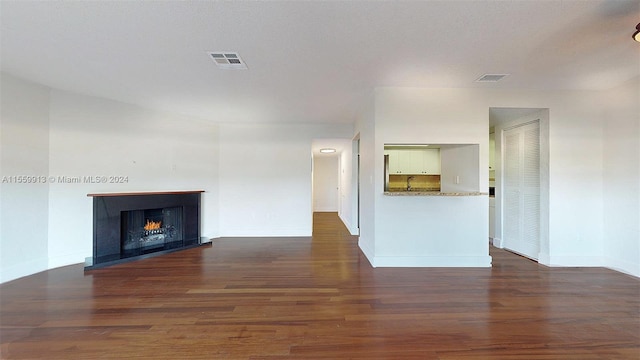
x=491, y=77
x=227, y=60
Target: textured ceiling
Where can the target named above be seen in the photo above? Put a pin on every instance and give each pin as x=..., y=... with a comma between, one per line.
x=312, y=61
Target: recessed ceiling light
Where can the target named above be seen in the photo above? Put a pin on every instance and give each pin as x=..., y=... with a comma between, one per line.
x=491, y=77
x=327, y=150
x=227, y=60
x=636, y=35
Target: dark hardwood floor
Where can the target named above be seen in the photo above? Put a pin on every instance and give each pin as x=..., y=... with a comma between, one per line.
x=286, y=298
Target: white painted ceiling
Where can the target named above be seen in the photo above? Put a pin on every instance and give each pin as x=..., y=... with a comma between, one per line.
x=312, y=61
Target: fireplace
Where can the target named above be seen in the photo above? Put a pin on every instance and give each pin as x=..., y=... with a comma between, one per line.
x=144, y=231
x=130, y=226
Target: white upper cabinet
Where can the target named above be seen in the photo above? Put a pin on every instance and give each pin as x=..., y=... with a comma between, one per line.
x=431, y=162
x=414, y=162
x=398, y=163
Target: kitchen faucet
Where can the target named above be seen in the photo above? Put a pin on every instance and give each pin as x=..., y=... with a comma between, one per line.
x=409, y=182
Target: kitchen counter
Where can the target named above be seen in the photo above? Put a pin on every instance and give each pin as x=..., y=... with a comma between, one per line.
x=432, y=193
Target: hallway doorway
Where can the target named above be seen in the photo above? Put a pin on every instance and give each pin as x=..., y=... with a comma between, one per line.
x=332, y=179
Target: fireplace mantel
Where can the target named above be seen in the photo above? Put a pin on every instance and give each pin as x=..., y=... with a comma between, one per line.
x=134, y=225
x=146, y=193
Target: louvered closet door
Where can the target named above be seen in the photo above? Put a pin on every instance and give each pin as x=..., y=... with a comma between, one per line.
x=522, y=189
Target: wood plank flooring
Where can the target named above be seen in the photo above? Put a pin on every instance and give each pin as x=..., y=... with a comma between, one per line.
x=318, y=298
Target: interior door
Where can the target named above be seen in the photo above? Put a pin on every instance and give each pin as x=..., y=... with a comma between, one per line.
x=522, y=189
x=326, y=183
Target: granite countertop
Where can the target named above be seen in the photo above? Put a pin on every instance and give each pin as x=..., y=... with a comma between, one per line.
x=432, y=193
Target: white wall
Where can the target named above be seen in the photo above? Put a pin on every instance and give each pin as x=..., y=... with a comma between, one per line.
x=621, y=185
x=575, y=182
x=348, y=188
x=265, y=177
x=575, y=170
x=325, y=183
x=257, y=178
x=57, y=134
x=155, y=151
x=257, y=181
x=431, y=230
x=24, y=143
x=576, y=166
x=365, y=132
x=461, y=163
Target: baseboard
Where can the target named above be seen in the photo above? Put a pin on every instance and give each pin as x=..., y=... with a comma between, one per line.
x=622, y=266
x=544, y=259
x=368, y=252
x=23, y=269
x=67, y=259
x=256, y=233
x=432, y=261
x=573, y=261
x=347, y=224
x=497, y=242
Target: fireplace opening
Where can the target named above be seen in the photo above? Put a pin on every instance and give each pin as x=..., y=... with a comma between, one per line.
x=150, y=230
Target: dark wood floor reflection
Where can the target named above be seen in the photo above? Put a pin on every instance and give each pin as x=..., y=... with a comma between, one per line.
x=295, y=298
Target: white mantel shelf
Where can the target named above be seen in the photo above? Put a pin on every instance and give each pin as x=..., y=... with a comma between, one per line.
x=432, y=193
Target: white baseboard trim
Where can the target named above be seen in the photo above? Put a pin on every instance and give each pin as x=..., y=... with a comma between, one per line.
x=432, y=261
x=574, y=261
x=345, y=222
x=27, y=268
x=544, y=259
x=352, y=231
x=67, y=259
x=497, y=242
x=283, y=233
x=623, y=266
x=368, y=253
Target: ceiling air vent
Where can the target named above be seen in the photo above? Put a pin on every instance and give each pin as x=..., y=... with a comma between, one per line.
x=227, y=60
x=491, y=77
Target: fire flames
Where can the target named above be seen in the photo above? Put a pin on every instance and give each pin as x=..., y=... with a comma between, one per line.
x=152, y=225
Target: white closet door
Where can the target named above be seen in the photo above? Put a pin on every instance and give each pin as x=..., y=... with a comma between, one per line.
x=522, y=189
x=512, y=212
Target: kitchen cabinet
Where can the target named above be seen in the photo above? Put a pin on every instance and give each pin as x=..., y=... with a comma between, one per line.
x=394, y=161
x=398, y=163
x=431, y=162
x=414, y=162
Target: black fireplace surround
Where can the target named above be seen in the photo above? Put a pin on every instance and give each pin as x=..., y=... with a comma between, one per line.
x=131, y=226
